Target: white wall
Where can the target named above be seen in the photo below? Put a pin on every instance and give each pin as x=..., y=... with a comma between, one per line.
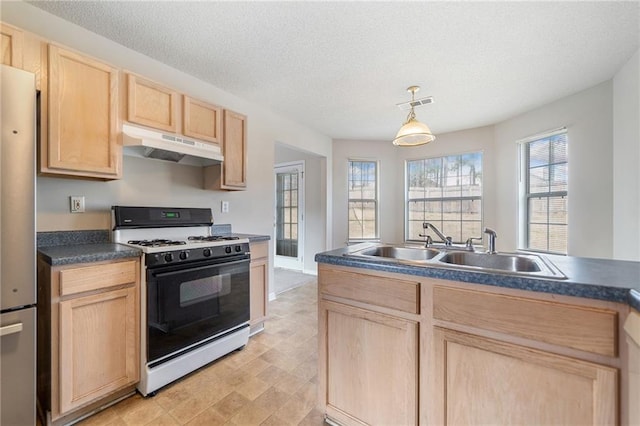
x=626, y=161
x=589, y=121
x=391, y=176
x=314, y=203
x=593, y=194
x=389, y=196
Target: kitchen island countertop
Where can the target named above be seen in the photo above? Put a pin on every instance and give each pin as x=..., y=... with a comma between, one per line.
x=603, y=279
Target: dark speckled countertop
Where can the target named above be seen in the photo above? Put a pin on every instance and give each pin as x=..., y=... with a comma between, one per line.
x=611, y=280
x=68, y=247
x=83, y=253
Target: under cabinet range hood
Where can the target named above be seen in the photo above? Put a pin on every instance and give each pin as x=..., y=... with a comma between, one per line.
x=142, y=142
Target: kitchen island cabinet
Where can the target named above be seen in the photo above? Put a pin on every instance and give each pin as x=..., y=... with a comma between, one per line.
x=368, y=358
x=632, y=340
x=82, y=137
x=89, y=338
x=490, y=365
x=478, y=353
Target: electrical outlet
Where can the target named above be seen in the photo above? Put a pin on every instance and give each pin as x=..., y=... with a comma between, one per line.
x=77, y=204
x=224, y=207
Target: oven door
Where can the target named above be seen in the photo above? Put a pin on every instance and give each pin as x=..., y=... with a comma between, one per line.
x=187, y=304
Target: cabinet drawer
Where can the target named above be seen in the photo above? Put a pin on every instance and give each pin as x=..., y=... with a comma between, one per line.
x=583, y=328
x=87, y=278
x=386, y=292
x=259, y=250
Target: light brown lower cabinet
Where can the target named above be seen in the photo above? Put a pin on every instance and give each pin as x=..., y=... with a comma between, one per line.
x=259, y=284
x=372, y=366
x=484, y=381
x=89, y=321
x=446, y=352
x=632, y=340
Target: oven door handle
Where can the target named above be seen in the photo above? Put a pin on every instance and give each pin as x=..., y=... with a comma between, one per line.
x=182, y=271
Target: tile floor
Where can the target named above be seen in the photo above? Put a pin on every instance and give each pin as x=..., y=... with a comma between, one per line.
x=272, y=381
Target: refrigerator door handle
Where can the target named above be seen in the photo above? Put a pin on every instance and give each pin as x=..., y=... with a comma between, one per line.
x=10, y=329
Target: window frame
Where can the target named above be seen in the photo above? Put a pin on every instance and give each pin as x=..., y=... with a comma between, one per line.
x=375, y=200
x=525, y=196
x=407, y=200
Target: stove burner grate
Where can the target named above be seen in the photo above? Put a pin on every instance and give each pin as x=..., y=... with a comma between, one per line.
x=156, y=243
x=199, y=238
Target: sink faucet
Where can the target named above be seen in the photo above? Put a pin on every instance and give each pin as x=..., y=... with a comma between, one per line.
x=492, y=240
x=446, y=240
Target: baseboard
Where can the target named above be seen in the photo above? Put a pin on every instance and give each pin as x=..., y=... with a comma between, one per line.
x=310, y=272
x=272, y=296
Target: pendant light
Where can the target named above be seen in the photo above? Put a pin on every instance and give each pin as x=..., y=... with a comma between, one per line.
x=413, y=132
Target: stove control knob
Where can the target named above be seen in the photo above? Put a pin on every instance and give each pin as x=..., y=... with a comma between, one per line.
x=206, y=252
x=227, y=249
x=238, y=248
x=184, y=255
x=168, y=257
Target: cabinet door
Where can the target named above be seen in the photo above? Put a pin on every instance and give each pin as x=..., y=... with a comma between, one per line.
x=151, y=104
x=202, y=120
x=234, y=167
x=83, y=117
x=483, y=381
x=99, y=346
x=259, y=291
x=371, y=366
x=11, y=46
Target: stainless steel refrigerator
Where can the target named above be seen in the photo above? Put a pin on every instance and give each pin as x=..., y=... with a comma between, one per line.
x=17, y=248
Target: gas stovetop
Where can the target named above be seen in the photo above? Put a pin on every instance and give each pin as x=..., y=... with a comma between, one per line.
x=202, y=240
x=173, y=234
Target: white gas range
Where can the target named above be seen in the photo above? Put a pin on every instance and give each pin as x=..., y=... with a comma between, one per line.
x=194, y=290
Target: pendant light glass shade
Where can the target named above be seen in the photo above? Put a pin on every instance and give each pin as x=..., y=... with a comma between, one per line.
x=413, y=132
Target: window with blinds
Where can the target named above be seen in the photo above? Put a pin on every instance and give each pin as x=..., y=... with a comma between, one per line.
x=363, y=200
x=545, y=166
x=447, y=192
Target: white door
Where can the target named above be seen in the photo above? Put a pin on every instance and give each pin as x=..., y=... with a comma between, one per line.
x=289, y=215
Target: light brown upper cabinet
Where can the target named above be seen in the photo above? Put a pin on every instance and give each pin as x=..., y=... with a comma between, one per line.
x=232, y=173
x=83, y=118
x=201, y=120
x=234, y=149
x=154, y=105
x=151, y=104
x=11, y=46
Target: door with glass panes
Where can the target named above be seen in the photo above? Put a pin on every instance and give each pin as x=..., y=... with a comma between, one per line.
x=289, y=215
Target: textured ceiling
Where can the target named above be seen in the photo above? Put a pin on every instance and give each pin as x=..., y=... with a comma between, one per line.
x=340, y=67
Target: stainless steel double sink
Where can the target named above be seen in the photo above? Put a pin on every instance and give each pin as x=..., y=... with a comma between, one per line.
x=453, y=257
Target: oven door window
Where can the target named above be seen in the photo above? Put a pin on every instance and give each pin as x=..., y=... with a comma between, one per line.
x=186, y=305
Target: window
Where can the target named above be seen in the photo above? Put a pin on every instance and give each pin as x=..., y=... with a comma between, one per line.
x=363, y=200
x=447, y=192
x=544, y=190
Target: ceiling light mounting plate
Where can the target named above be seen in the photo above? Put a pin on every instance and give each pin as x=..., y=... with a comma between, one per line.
x=413, y=132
